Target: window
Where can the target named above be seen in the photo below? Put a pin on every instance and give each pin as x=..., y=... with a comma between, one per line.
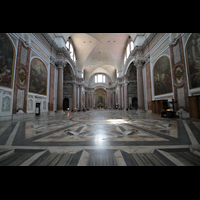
x=129, y=48
x=100, y=78
x=71, y=50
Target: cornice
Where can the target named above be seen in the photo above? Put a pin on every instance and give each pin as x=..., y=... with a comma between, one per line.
x=52, y=43
x=139, y=62
x=139, y=49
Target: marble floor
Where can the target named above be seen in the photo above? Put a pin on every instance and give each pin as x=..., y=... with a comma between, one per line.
x=100, y=138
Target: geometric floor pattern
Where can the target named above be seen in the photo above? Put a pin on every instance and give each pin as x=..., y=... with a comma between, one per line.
x=100, y=138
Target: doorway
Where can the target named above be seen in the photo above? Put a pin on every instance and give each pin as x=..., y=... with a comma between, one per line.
x=135, y=102
x=65, y=103
x=37, y=109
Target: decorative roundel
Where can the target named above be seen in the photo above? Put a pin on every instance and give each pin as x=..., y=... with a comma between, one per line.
x=179, y=75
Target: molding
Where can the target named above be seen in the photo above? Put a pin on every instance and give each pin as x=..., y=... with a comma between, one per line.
x=139, y=49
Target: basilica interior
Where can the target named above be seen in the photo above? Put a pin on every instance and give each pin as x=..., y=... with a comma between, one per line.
x=99, y=99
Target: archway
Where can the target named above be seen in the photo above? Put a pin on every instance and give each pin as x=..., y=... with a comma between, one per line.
x=135, y=102
x=65, y=103
x=100, y=98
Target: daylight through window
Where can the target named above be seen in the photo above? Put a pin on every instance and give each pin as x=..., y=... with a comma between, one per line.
x=71, y=50
x=100, y=78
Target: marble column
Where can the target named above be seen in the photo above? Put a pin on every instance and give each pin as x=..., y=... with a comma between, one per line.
x=77, y=97
x=119, y=97
x=126, y=95
x=80, y=97
x=140, y=91
x=123, y=106
x=60, y=65
x=74, y=96
x=86, y=101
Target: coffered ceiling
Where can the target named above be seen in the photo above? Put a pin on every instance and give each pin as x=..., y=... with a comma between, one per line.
x=99, y=52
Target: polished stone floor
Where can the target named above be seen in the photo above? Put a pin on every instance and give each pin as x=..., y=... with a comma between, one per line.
x=100, y=138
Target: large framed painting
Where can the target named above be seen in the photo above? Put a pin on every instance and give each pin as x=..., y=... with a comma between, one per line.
x=162, y=76
x=7, y=58
x=193, y=60
x=38, y=77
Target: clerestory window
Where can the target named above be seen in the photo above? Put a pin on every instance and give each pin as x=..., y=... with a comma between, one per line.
x=100, y=78
x=129, y=48
x=71, y=49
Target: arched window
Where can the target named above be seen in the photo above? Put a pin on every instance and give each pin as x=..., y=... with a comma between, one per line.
x=100, y=78
x=129, y=48
x=71, y=50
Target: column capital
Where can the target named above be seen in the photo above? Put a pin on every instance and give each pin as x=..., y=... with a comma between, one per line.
x=59, y=64
x=52, y=60
x=147, y=58
x=139, y=62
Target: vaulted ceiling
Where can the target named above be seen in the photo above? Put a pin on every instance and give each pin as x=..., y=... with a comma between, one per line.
x=99, y=52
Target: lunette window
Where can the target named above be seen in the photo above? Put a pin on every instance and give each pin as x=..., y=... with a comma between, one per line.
x=100, y=78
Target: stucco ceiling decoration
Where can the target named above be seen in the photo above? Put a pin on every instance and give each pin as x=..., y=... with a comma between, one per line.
x=99, y=52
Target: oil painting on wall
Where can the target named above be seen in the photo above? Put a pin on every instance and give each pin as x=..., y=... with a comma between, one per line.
x=162, y=76
x=38, y=77
x=6, y=61
x=193, y=60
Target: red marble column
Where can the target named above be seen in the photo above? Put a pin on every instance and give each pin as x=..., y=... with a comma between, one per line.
x=140, y=91
x=123, y=96
x=148, y=85
x=51, y=87
x=60, y=89
x=76, y=96
x=126, y=95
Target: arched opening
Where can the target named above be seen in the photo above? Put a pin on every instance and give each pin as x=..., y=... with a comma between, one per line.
x=100, y=98
x=135, y=103
x=65, y=103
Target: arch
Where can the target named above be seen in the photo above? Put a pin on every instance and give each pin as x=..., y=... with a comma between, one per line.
x=129, y=68
x=162, y=78
x=72, y=68
x=135, y=102
x=100, y=95
x=7, y=64
x=65, y=103
x=38, y=77
x=127, y=65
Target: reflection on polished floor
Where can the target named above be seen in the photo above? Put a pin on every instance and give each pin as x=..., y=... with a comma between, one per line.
x=100, y=138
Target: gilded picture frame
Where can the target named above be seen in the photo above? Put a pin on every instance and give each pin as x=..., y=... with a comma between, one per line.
x=192, y=52
x=162, y=78
x=7, y=61
x=38, y=77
